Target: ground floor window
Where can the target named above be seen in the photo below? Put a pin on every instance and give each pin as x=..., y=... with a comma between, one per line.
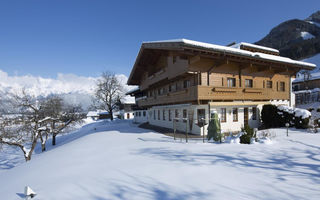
x=223, y=115
x=254, y=113
x=158, y=114
x=163, y=115
x=176, y=113
x=154, y=114
x=235, y=114
x=184, y=115
x=201, y=113
x=169, y=112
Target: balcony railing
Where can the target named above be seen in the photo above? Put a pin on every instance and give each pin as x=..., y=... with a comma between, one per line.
x=199, y=92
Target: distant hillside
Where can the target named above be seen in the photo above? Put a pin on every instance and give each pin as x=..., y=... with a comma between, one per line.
x=297, y=39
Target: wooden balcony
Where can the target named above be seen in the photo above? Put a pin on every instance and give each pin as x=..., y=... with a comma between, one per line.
x=199, y=92
x=186, y=95
x=236, y=93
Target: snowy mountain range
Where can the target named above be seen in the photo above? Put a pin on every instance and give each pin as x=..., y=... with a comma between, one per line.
x=296, y=39
x=76, y=90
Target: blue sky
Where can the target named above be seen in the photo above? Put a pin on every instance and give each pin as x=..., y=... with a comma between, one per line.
x=47, y=37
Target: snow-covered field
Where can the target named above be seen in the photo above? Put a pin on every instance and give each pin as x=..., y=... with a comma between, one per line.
x=118, y=160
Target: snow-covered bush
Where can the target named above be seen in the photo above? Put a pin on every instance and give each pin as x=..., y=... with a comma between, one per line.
x=277, y=116
x=299, y=116
x=247, y=136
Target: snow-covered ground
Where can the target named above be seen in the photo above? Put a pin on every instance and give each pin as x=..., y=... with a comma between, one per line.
x=118, y=160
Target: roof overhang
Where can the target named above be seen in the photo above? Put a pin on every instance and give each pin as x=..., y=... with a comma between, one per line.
x=222, y=51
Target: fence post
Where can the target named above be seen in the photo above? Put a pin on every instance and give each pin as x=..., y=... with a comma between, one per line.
x=174, y=129
x=186, y=130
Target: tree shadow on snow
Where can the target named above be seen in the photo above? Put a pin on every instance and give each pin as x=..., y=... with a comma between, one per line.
x=280, y=163
x=141, y=187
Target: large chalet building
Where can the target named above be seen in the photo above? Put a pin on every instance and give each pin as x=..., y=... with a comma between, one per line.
x=184, y=81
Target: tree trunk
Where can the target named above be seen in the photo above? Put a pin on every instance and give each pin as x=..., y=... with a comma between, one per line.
x=111, y=115
x=54, y=139
x=43, y=147
x=54, y=134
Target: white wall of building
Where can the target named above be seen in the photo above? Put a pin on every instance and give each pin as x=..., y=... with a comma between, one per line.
x=140, y=116
x=228, y=126
x=292, y=95
x=181, y=125
x=128, y=115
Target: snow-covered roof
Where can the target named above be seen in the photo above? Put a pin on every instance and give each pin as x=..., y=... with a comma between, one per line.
x=314, y=76
x=128, y=100
x=133, y=90
x=238, y=45
x=307, y=91
x=236, y=51
x=92, y=114
x=97, y=113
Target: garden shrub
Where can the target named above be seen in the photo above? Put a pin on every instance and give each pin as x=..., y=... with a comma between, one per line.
x=246, y=138
x=273, y=116
x=268, y=114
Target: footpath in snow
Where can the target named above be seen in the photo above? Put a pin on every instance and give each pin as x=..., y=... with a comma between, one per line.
x=118, y=160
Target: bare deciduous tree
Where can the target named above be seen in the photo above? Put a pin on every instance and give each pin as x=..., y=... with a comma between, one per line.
x=35, y=119
x=109, y=92
x=23, y=129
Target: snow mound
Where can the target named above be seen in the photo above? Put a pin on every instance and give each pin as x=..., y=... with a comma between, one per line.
x=298, y=112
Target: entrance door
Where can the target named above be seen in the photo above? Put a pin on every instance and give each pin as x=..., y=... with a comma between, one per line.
x=246, y=117
x=128, y=115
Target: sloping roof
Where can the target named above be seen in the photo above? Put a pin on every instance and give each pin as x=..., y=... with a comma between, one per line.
x=237, y=51
x=179, y=44
x=238, y=45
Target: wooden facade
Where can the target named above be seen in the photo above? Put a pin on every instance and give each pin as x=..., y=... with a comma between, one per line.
x=170, y=73
x=189, y=80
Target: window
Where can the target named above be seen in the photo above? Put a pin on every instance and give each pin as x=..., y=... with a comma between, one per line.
x=158, y=114
x=169, y=113
x=154, y=114
x=174, y=59
x=163, y=115
x=235, y=114
x=231, y=82
x=160, y=91
x=201, y=114
x=282, y=87
x=254, y=113
x=186, y=83
x=144, y=113
x=223, y=115
x=176, y=113
x=269, y=84
x=184, y=115
x=172, y=88
x=248, y=83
